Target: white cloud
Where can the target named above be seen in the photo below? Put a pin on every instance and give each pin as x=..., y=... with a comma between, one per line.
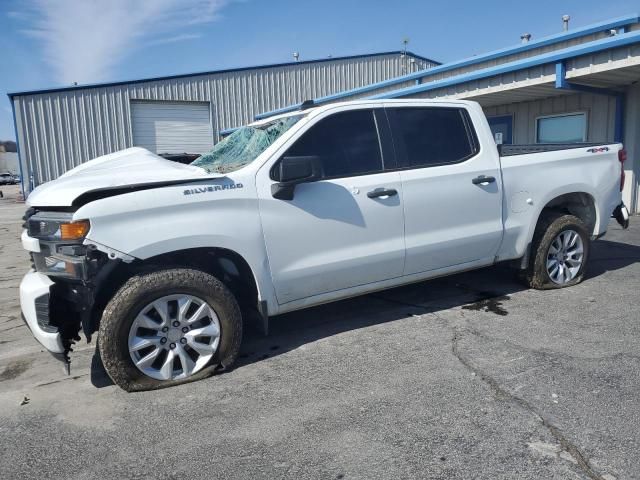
x=83, y=40
x=176, y=38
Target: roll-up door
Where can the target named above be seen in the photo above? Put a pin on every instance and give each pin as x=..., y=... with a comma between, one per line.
x=172, y=127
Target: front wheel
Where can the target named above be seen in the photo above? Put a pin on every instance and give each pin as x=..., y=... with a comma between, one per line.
x=168, y=327
x=560, y=251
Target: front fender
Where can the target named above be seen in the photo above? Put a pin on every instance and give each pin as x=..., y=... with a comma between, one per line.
x=149, y=223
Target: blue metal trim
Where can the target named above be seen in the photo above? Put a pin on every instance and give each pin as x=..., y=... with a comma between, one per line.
x=545, y=41
x=15, y=129
x=227, y=131
x=214, y=72
x=561, y=73
x=551, y=57
x=290, y=108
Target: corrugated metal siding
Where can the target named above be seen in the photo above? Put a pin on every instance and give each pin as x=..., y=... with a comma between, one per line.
x=60, y=130
x=600, y=111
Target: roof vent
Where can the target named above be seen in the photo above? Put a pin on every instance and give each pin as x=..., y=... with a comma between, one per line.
x=565, y=22
x=525, y=37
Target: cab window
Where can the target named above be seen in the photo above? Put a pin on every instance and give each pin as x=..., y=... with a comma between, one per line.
x=431, y=136
x=346, y=143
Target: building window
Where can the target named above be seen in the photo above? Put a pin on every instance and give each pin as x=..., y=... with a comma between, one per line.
x=569, y=128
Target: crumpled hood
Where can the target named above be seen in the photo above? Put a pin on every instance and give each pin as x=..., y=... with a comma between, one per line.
x=130, y=167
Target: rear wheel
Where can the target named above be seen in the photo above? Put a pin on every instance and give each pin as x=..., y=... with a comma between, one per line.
x=168, y=327
x=560, y=251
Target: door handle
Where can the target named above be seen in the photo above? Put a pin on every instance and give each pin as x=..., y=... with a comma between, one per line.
x=482, y=179
x=382, y=192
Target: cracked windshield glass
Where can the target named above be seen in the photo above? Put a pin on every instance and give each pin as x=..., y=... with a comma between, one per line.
x=243, y=146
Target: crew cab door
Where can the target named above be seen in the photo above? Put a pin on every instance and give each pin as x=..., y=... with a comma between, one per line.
x=452, y=216
x=337, y=232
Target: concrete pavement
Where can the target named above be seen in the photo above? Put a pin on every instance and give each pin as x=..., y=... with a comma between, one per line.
x=470, y=376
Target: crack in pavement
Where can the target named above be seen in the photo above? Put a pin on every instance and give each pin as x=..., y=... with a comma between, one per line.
x=551, y=355
x=501, y=393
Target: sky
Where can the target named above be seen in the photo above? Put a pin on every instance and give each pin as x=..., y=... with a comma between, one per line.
x=51, y=43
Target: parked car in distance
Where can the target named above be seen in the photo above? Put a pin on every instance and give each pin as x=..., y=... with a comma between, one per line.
x=163, y=260
x=7, y=179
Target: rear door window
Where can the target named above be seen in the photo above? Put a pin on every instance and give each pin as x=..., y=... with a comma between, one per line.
x=431, y=136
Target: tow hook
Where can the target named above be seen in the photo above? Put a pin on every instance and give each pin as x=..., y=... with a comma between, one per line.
x=621, y=214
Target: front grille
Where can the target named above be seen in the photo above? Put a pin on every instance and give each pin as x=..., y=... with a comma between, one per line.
x=42, y=314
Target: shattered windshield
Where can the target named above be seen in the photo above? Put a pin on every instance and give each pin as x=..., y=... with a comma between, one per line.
x=243, y=146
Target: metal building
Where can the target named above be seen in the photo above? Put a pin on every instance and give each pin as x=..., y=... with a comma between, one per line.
x=58, y=129
x=581, y=84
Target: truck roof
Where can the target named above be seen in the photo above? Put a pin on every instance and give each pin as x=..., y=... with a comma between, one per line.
x=329, y=106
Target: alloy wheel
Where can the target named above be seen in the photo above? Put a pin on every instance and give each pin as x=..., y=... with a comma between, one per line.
x=174, y=337
x=565, y=257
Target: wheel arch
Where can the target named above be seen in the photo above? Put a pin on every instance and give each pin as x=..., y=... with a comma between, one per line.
x=580, y=203
x=225, y=264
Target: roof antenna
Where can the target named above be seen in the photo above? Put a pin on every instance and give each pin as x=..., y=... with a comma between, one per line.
x=565, y=22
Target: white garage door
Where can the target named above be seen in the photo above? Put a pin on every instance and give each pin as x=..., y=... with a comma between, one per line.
x=172, y=127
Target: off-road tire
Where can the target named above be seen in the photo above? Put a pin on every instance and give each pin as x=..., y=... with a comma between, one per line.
x=139, y=291
x=550, y=225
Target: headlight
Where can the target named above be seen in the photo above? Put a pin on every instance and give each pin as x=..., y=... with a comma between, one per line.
x=61, y=251
x=57, y=226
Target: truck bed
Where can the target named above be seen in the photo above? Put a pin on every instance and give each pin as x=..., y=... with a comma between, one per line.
x=523, y=149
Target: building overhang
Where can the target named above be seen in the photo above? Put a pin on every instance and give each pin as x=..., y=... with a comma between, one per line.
x=446, y=76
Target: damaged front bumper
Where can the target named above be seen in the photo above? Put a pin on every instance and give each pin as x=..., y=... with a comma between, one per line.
x=57, y=295
x=35, y=291
x=56, y=310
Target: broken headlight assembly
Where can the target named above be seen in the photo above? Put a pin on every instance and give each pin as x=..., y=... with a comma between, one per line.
x=62, y=253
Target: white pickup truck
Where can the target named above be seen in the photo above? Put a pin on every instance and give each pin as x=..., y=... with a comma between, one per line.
x=163, y=260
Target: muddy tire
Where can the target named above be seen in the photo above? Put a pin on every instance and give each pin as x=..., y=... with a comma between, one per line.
x=559, y=252
x=140, y=291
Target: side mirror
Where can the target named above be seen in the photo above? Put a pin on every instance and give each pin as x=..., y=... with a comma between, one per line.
x=292, y=171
